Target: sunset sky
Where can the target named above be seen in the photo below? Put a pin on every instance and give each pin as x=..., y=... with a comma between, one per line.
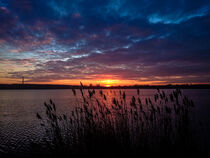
x=109, y=42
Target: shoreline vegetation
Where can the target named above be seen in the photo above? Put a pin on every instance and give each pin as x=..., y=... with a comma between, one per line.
x=156, y=126
x=50, y=86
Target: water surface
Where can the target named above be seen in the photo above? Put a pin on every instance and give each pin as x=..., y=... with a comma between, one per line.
x=19, y=125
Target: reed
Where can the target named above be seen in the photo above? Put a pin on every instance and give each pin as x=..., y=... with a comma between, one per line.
x=97, y=126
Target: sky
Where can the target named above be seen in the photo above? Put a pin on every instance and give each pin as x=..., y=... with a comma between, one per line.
x=116, y=42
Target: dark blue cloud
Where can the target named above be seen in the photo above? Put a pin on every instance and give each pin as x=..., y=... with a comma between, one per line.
x=129, y=39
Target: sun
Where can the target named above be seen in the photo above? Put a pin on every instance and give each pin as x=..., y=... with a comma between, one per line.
x=108, y=83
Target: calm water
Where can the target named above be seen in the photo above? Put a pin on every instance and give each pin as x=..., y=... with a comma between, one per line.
x=19, y=125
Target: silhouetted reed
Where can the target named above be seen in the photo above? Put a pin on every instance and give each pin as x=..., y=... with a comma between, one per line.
x=158, y=125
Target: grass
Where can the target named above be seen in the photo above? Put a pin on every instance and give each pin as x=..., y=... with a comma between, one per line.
x=159, y=125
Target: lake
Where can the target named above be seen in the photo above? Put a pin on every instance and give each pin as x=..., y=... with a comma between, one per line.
x=19, y=125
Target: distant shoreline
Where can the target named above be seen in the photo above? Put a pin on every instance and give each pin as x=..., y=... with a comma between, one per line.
x=45, y=86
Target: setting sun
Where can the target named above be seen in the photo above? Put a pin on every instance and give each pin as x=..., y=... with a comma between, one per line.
x=109, y=83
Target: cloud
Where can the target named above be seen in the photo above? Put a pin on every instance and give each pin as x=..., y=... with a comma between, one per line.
x=160, y=41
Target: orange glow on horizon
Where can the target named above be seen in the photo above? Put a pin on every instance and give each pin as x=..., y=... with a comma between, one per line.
x=102, y=82
x=109, y=82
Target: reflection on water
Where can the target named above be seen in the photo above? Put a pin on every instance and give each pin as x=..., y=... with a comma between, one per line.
x=19, y=126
